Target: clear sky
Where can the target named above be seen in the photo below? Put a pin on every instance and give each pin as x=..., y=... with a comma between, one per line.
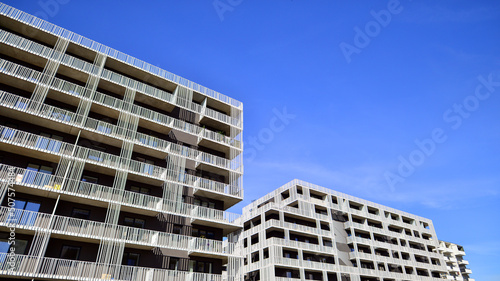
x=396, y=102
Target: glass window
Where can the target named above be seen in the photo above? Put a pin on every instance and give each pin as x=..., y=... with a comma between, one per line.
x=200, y=267
x=148, y=166
x=192, y=265
x=142, y=190
x=80, y=213
x=4, y=246
x=130, y=259
x=8, y=133
x=22, y=217
x=70, y=252
x=177, y=229
x=173, y=264
x=20, y=247
x=49, y=142
x=46, y=169
x=37, y=174
x=203, y=203
x=134, y=222
x=90, y=179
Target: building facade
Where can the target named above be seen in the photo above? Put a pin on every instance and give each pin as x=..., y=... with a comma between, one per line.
x=306, y=232
x=456, y=265
x=111, y=168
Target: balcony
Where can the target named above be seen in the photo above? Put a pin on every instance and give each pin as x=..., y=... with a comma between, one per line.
x=75, y=191
x=105, y=162
x=52, y=269
x=66, y=121
x=465, y=271
x=104, y=102
x=298, y=245
x=20, y=43
x=78, y=229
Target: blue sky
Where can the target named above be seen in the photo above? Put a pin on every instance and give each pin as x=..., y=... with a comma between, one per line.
x=403, y=111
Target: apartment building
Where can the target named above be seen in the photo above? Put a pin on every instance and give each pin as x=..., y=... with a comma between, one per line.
x=303, y=231
x=111, y=168
x=456, y=265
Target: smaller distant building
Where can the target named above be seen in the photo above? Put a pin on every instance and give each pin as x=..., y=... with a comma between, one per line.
x=302, y=231
x=455, y=263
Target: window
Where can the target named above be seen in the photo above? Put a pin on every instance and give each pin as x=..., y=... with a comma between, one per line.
x=49, y=142
x=96, y=152
x=104, y=127
x=149, y=140
x=80, y=213
x=148, y=166
x=19, y=247
x=173, y=264
x=203, y=233
x=90, y=179
x=8, y=133
x=142, y=190
x=130, y=259
x=37, y=174
x=177, y=229
x=61, y=116
x=26, y=212
x=85, y=186
x=204, y=203
x=199, y=266
x=70, y=252
x=133, y=222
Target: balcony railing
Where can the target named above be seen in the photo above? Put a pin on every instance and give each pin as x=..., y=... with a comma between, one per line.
x=23, y=219
x=299, y=245
x=32, y=141
x=93, y=191
x=43, y=51
x=33, y=267
x=110, y=102
x=116, y=104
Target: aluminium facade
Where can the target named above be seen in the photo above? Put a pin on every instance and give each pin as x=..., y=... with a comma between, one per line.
x=306, y=232
x=111, y=168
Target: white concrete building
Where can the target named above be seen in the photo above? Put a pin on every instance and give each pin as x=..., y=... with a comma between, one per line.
x=111, y=168
x=456, y=265
x=306, y=232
